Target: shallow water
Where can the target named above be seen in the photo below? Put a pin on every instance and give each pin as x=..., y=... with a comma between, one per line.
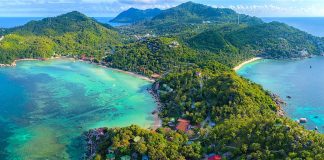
x=293, y=78
x=46, y=105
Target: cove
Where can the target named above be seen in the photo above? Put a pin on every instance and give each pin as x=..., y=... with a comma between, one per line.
x=45, y=106
x=302, y=80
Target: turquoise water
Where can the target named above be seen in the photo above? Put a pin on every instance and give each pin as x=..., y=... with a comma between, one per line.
x=46, y=105
x=312, y=25
x=293, y=78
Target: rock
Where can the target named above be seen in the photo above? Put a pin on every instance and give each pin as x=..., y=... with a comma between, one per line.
x=302, y=120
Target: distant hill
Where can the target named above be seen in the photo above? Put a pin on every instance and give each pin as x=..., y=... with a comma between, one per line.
x=197, y=13
x=133, y=15
x=187, y=15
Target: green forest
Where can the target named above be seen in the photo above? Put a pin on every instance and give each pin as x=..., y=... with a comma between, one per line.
x=193, y=48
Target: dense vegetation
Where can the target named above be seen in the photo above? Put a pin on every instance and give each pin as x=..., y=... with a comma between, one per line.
x=214, y=93
x=193, y=47
x=134, y=15
x=264, y=137
x=159, y=144
x=276, y=40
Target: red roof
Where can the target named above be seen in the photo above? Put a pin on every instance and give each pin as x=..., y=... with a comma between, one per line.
x=182, y=125
x=215, y=157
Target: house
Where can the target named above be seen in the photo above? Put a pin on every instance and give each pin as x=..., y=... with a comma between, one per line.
x=145, y=157
x=155, y=75
x=126, y=157
x=174, y=44
x=214, y=157
x=183, y=125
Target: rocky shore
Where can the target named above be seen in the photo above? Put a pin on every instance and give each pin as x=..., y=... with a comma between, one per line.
x=154, y=93
x=92, y=138
x=280, y=103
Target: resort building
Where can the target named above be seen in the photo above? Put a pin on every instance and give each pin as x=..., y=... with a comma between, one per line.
x=183, y=125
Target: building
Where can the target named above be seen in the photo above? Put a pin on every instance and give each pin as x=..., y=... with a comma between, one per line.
x=214, y=157
x=183, y=125
x=155, y=75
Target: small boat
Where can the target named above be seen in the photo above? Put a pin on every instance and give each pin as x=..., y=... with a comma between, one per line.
x=288, y=97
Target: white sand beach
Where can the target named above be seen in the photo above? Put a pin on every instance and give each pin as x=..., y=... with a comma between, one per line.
x=246, y=62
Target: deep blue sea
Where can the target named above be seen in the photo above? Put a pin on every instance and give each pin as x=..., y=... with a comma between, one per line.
x=9, y=22
x=312, y=25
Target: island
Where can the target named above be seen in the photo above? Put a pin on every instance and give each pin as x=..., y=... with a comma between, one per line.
x=206, y=109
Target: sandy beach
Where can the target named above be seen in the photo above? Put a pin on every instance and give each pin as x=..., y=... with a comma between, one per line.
x=246, y=62
x=122, y=71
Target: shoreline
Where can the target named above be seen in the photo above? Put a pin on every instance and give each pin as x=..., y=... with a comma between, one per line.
x=119, y=70
x=236, y=68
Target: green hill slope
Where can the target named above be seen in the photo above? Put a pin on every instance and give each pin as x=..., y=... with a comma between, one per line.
x=69, y=34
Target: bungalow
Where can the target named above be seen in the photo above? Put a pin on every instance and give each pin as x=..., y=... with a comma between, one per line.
x=183, y=125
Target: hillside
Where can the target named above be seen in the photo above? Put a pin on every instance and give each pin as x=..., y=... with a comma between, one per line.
x=276, y=40
x=68, y=34
x=133, y=15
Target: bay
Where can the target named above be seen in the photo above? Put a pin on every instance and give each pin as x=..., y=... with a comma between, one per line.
x=302, y=80
x=45, y=106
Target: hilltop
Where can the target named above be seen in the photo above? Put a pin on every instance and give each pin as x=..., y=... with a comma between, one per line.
x=133, y=15
x=198, y=13
x=68, y=34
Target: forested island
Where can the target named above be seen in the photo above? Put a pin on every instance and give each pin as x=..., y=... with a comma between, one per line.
x=207, y=110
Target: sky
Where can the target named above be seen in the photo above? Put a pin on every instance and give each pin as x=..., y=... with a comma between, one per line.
x=110, y=8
